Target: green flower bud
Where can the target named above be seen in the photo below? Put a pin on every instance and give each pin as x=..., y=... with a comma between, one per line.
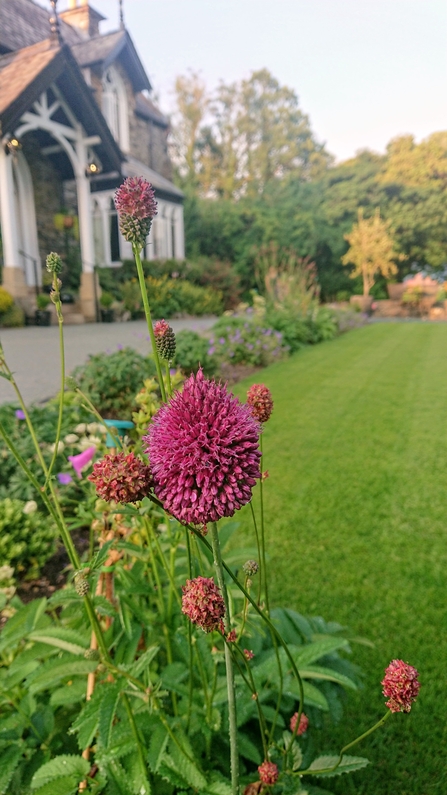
x=54, y=263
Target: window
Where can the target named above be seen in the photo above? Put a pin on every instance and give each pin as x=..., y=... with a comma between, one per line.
x=114, y=234
x=115, y=107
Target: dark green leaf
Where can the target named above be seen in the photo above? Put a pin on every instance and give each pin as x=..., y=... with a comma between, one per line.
x=61, y=767
x=107, y=711
x=347, y=765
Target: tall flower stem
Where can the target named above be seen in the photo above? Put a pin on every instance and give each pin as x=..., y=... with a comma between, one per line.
x=264, y=564
x=56, y=297
x=347, y=747
x=191, y=675
x=234, y=755
x=137, y=254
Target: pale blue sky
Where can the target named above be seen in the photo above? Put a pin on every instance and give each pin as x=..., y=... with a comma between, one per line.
x=364, y=70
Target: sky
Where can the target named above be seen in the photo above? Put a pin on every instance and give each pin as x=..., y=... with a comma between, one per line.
x=365, y=71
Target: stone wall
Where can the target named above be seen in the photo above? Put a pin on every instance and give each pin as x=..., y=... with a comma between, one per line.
x=48, y=196
x=148, y=141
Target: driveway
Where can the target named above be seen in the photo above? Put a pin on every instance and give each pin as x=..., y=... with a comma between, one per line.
x=33, y=352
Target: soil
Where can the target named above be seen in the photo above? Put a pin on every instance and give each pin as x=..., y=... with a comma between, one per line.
x=55, y=572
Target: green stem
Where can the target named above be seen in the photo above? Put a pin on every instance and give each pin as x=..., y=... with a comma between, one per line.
x=191, y=678
x=252, y=686
x=139, y=744
x=264, y=563
x=261, y=565
x=60, y=319
x=347, y=747
x=168, y=379
x=137, y=254
x=234, y=755
x=260, y=612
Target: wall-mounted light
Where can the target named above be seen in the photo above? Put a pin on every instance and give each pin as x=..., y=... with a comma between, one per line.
x=12, y=146
x=93, y=169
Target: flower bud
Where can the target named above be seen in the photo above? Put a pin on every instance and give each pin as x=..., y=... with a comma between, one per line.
x=164, y=340
x=250, y=568
x=54, y=263
x=92, y=654
x=81, y=584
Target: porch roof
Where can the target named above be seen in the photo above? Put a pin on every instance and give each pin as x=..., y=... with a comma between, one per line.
x=25, y=74
x=105, y=49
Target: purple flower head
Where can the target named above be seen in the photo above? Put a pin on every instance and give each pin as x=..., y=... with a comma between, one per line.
x=400, y=685
x=203, y=452
x=203, y=603
x=64, y=478
x=20, y=414
x=136, y=206
x=222, y=340
x=81, y=460
x=211, y=351
x=122, y=478
x=135, y=197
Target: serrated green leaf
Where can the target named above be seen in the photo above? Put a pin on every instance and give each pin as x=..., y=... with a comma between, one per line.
x=328, y=674
x=62, y=638
x=86, y=723
x=157, y=747
x=144, y=661
x=305, y=655
x=22, y=623
x=66, y=785
x=9, y=760
x=312, y=695
x=248, y=749
x=69, y=694
x=61, y=767
x=48, y=677
x=218, y=786
x=118, y=783
x=107, y=710
x=101, y=556
x=186, y=769
x=347, y=765
x=20, y=673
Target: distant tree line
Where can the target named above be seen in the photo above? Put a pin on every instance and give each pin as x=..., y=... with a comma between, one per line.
x=254, y=173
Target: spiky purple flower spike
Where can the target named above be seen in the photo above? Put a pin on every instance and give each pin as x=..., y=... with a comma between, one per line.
x=203, y=452
x=136, y=206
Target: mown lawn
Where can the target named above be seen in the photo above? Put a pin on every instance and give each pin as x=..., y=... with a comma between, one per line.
x=357, y=528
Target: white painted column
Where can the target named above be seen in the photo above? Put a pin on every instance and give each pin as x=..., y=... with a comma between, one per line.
x=10, y=235
x=179, y=234
x=89, y=290
x=13, y=275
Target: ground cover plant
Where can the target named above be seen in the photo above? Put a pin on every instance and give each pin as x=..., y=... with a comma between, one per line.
x=356, y=455
x=146, y=674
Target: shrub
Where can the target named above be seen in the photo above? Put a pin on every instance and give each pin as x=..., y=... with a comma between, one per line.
x=111, y=381
x=106, y=300
x=192, y=351
x=170, y=297
x=14, y=317
x=6, y=300
x=242, y=341
x=297, y=329
x=27, y=537
x=218, y=274
x=42, y=301
x=131, y=297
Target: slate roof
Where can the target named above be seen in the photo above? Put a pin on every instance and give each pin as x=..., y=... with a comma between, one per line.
x=23, y=23
x=19, y=69
x=145, y=108
x=134, y=168
x=106, y=49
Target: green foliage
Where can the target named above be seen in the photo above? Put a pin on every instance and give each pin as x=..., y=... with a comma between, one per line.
x=112, y=380
x=27, y=537
x=14, y=317
x=192, y=351
x=246, y=341
x=6, y=300
x=42, y=300
x=106, y=300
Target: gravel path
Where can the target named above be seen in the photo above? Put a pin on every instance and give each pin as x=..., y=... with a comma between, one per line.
x=33, y=352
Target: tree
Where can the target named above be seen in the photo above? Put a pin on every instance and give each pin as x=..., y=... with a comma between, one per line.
x=250, y=134
x=371, y=250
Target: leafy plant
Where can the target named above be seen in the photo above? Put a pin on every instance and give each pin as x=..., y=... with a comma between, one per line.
x=245, y=341
x=6, y=300
x=27, y=538
x=111, y=380
x=192, y=352
x=42, y=301
x=106, y=300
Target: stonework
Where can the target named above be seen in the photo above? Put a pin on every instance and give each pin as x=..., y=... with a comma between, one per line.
x=48, y=196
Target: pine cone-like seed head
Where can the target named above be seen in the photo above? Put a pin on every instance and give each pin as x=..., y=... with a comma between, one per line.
x=92, y=654
x=135, y=230
x=164, y=340
x=81, y=584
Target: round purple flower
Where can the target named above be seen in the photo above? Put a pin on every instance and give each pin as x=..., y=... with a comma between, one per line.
x=203, y=603
x=20, y=414
x=136, y=197
x=203, y=452
x=400, y=685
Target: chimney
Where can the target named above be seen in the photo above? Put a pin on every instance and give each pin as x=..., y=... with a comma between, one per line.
x=81, y=16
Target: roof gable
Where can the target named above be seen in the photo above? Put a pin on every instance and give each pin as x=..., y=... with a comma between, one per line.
x=24, y=75
x=106, y=49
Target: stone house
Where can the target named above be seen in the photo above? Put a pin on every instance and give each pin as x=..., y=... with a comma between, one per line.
x=75, y=119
